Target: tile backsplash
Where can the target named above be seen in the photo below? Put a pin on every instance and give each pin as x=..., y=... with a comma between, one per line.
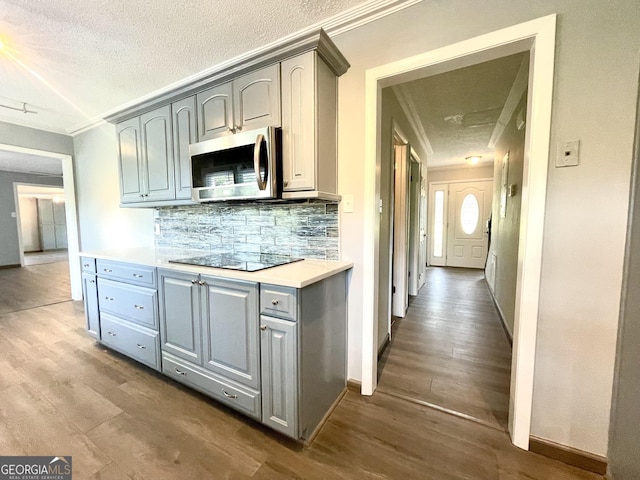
x=308, y=230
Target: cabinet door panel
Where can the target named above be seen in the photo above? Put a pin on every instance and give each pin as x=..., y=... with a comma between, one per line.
x=215, y=112
x=180, y=331
x=157, y=151
x=278, y=345
x=230, y=314
x=298, y=123
x=130, y=161
x=184, y=133
x=91, y=312
x=257, y=99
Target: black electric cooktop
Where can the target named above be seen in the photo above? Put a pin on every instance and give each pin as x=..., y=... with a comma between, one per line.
x=232, y=262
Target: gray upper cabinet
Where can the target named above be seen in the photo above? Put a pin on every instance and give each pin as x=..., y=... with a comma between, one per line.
x=183, y=115
x=130, y=161
x=250, y=101
x=180, y=331
x=256, y=99
x=309, y=123
x=231, y=335
x=157, y=154
x=145, y=157
x=215, y=111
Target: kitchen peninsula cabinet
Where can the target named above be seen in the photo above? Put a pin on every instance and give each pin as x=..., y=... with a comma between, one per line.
x=145, y=153
x=270, y=344
x=248, y=102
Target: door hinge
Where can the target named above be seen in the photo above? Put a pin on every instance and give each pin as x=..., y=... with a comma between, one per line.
x=409, y=275
x=393, y=289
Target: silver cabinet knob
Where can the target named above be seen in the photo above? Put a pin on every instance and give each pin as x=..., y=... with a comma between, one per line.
x=263, y=327
x=274, y=302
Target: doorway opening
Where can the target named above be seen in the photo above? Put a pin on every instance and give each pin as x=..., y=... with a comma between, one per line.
x=33, y=157
x=538, y=38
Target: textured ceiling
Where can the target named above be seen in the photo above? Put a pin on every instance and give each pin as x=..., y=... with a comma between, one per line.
x=459, y=109
x=72, y=60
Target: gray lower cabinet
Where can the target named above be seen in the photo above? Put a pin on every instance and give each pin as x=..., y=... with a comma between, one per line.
x=91, y=311
x=209, y=336
x=121, y=308
x=279, y=360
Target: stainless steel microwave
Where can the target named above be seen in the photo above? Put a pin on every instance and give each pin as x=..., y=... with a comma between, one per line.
x=241, y=166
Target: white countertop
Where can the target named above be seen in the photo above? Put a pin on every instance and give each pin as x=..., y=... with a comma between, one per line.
x=296, y=275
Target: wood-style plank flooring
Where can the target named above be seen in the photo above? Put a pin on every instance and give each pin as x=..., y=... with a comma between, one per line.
x=63, y=394
x=49, y=256
x=33, y=286
x=450, y=350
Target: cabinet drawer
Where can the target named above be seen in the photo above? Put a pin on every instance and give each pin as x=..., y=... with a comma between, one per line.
x=88, y=264
x=127, y=272
x=137, y=304
x=137, y=342
x=277, y=301
x=243, y=399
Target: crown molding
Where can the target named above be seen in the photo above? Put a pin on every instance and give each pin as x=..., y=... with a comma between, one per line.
x=407, y=104
x=520, y=84
x=295, y=43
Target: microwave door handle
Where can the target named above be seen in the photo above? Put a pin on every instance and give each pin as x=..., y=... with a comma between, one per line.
x=262, y=184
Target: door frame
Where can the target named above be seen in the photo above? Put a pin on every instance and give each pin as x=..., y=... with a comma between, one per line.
x=73, y=241
x=538, y=37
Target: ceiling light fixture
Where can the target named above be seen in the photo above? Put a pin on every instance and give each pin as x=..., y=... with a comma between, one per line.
x=24, y=108
x=473, y=159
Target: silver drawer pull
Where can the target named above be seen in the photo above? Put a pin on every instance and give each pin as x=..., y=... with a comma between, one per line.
x=92, y=281
x=87, y=265
x=180, y=372
x=274, y=302
x=137, y=275
x=228, y=395
x=111, y=334
x=107, y=270
x=141, y=347
x=200, y=282
x=263, y=327
x=139, y=307
x=108, y=298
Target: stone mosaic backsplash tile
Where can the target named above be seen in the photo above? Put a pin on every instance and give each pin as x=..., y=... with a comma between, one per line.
x=309, y=230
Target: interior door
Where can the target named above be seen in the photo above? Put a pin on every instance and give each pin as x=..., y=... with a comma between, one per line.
x=469, y=209
x=422, y=255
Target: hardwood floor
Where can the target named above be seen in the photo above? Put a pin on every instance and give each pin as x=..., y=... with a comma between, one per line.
x=63, y=394
x=49, y=256
x=450, y=350
x=34, y=286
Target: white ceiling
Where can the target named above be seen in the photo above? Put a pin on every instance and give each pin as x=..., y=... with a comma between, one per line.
x=73, y=60
x=458, y=110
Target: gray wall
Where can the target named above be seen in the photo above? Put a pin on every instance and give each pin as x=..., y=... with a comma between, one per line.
x=9, y=246
x=103, y=224
x=26, y=137
x=391, y=111
x=624, y=435
x=505, y=232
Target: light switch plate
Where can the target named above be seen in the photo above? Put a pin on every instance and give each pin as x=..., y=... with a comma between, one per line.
x=568, y=154
x=347, y=203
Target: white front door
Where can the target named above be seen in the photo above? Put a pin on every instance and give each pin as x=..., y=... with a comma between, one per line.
x=469, y=210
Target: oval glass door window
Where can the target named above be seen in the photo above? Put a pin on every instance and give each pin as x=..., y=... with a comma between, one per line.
x=469, y=214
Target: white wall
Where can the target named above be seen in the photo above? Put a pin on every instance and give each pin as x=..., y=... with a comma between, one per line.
x=29, y=224
x=460, y=173
x=103, y=224
x=596, y=79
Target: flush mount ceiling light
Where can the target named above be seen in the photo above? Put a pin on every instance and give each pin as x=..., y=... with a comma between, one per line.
x=473, y=159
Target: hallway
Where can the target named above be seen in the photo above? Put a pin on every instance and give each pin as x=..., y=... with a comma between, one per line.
x=450, y=350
